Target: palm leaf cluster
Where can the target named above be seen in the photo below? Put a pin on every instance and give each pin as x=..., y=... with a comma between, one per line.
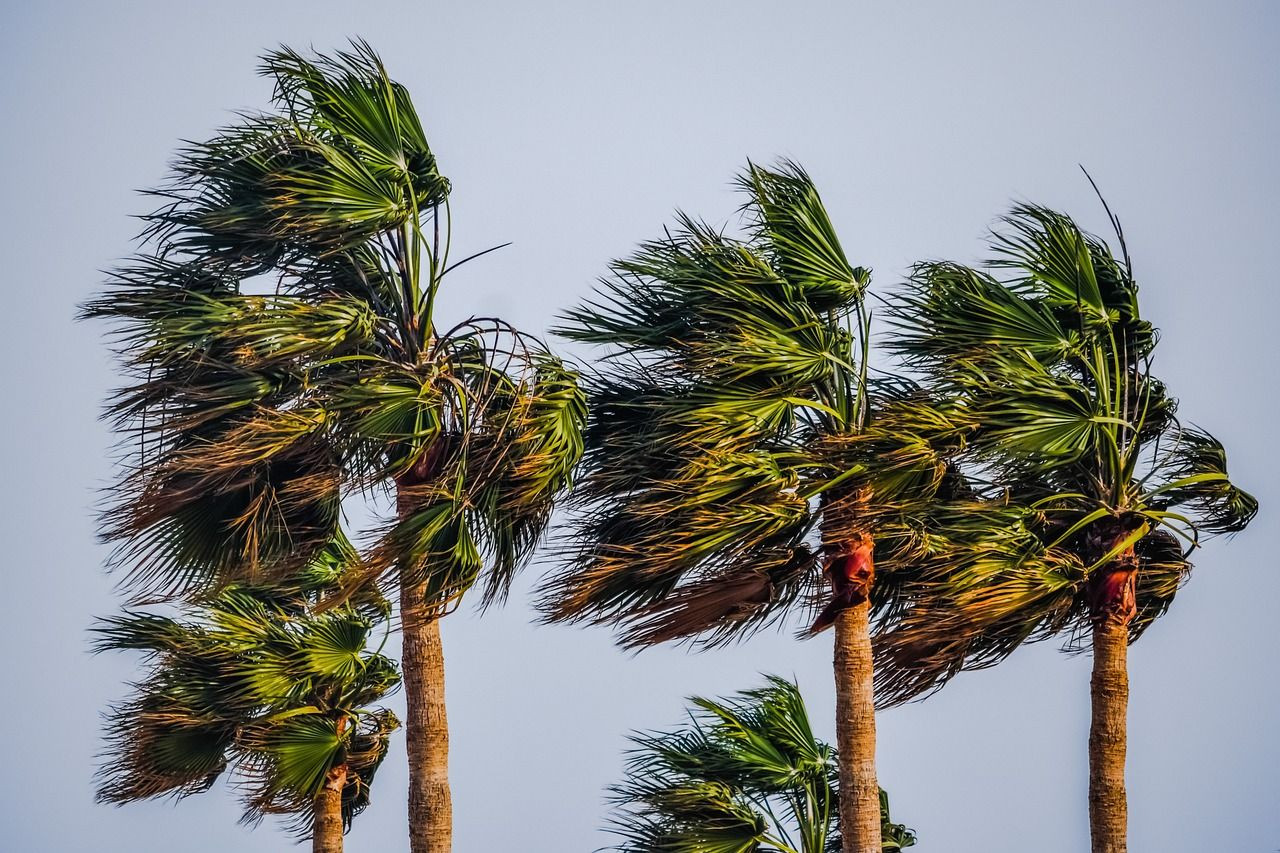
x=253, y=683
x=1045, y=355
x=745, y=775
x=732, y=414
x=279, y=328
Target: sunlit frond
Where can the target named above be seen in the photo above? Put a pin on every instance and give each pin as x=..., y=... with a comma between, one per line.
x=279, y=329
x=1066, y=425
x=787, y=215
x=255, y=680
x=745, y=774
x=699, y=475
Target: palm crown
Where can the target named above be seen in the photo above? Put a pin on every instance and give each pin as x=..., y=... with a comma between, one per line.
x=1051, y=367
x=733, y=414
x=282, y=333
x=254, y=680
x=746, y=774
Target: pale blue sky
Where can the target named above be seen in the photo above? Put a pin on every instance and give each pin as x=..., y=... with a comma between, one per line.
x=574, y=129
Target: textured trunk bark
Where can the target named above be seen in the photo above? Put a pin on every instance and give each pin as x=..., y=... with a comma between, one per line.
x=1108, y=806
x=856, y=731
x=1113, y=604
x=426, y=725
x=851, y=571
x=326, y=828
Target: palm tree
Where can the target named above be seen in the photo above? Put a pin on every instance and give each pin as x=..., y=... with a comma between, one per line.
x=255, y=680
x=745, y=775
x=279, y=325
x=733, y=419
x=1051, y=364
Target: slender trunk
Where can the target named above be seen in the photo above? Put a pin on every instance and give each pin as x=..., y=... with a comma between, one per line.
x=426, y=725
x=851, y=571
x=1108, y=807
x=856, y=731
x=1113, y=606
x=326, y=827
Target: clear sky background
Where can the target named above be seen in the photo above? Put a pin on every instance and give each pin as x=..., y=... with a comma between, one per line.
x=574, y=129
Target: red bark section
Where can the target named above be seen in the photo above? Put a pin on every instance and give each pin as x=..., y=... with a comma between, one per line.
x=1113, y=588
x=1115, y=597
x=1113, y=605
x=851, y=573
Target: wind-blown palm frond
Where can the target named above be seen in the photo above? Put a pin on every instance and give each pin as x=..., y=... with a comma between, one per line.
x=746, y=774
x=345, y=161
x=256, y=681
x=1050, y=368
x=254, y=414
x=1193, y=479
x=732, y=416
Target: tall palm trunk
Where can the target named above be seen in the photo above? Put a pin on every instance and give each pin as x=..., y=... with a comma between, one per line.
x=1108, y=807
x=426, y=722
x=326, y=827
x=1113, y=604
x=856, y=732
x=851, y=570
x=426, y=725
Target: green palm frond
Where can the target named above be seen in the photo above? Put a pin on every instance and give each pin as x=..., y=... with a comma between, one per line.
x=787, y=215
x=157, y=747
x=733, y=420
x=1194, y=473
x=1050, y=369
x=255, y=680
x=953, y=318
x=252, y=415
x=1072, y=272
x=978, y=598
x=301, y=751
x=745, y=774
x=696, y=498
x=350, y=97
x=716, y=311
x=344, y=161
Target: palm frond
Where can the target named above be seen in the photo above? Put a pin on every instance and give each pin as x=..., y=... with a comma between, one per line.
x=256, y=680
x=786, y=214
x=745, y=774
x=1050, y=368
x=1195, y=476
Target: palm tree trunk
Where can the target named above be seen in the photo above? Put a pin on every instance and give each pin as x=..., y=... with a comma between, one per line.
x=856, y=731
x=851, y=571
x=326, y=827
x=1108, y=807
x=426, y=725
x=1113, y=605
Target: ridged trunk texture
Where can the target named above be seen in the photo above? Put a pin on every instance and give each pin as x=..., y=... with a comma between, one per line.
x=1108, y=806
x=851, y=572
x=1113, y=604
x=326, y=828
x=856, y=731
x=426, y=725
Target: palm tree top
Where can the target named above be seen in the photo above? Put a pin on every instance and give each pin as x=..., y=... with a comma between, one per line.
x=731, y=414
x=280, y=331
x=1046, y=355
x=745, y=774
x=257, y=682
